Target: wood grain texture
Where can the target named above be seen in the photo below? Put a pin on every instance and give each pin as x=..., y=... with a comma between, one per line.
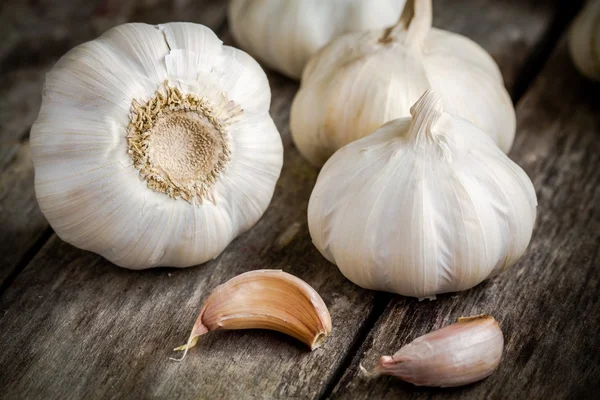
x=21, y=221
x=75, y=326
x=38, y=34
x=548, y=305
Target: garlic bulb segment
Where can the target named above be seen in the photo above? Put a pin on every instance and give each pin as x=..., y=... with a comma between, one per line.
x=284, y=34
x=360, y=81
x=584, y=40
x=459, y=354
x=265, y=299
x=422, y=206
x=154, y=145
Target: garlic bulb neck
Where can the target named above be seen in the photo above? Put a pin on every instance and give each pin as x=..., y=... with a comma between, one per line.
x=178, y=144
x=425, y=112
x=416, y=21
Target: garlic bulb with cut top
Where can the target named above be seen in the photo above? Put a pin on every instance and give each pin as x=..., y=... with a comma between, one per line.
x=360, y=81
x=584, y=40
x=284, y=34
x=422, y=206
x=154, y=145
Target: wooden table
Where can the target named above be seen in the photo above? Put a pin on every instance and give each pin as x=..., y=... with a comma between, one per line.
x=75, y=326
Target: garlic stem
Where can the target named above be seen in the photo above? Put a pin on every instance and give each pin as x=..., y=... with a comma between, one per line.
x=416, y=19
x=425, y=112
x=264, y=299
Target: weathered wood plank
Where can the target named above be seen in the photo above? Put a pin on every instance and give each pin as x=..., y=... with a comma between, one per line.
x=37, y=37
x=21, y=221
x=548, y=305
x=104, y=332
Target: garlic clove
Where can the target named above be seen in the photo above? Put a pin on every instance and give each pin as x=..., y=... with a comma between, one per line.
x=459, y=354
x=264, y=299
x=584, y=41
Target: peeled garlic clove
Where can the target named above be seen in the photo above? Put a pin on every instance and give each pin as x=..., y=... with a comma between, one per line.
x=154, y=145
x=584, y=40
x=423, y=206
x=265, y=299
x=283, y=34
x=462, y=353
x=360, y=81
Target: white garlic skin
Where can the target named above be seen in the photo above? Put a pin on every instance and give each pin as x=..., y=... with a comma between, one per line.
x=85, y=181
x=456, y=355
x=584, y=41
x=284, y=34
x=422, y=207
x=356, y=83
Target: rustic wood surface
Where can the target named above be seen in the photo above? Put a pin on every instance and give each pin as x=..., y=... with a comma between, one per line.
x=74, y=326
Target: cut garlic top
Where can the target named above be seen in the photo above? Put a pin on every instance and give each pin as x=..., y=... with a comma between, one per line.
x=154, y=145
x=422, y=206
x=360, y=81
x=283, y=34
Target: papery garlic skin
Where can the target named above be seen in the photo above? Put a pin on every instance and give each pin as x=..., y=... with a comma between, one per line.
x=422, y=206
x=208, y=173
x=456, y=355
x=584, y=40
x=360, y=81
x=284, y=34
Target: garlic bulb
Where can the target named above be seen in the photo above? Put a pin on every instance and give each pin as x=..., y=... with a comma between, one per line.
x=264, y=299
x=362, y=80
x=154, y=145
x=584, y=40
x=459, y=354
x=422, y=206
x=284, y=34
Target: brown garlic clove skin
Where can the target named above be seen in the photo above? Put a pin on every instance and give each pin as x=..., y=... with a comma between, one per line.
x=459, y=354
x=265, y=299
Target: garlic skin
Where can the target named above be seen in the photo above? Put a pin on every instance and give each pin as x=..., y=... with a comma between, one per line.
x=360, y=81
x=422, y=206
x=284, y=34
x=154, y=145
x=584, y=41
x=459, y=354
x=264, y=299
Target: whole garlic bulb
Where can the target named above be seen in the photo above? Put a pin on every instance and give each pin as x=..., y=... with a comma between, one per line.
x=284, y=34
x=584, y=41
x=362, y=80
x=154, y=145
x=422, y=206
